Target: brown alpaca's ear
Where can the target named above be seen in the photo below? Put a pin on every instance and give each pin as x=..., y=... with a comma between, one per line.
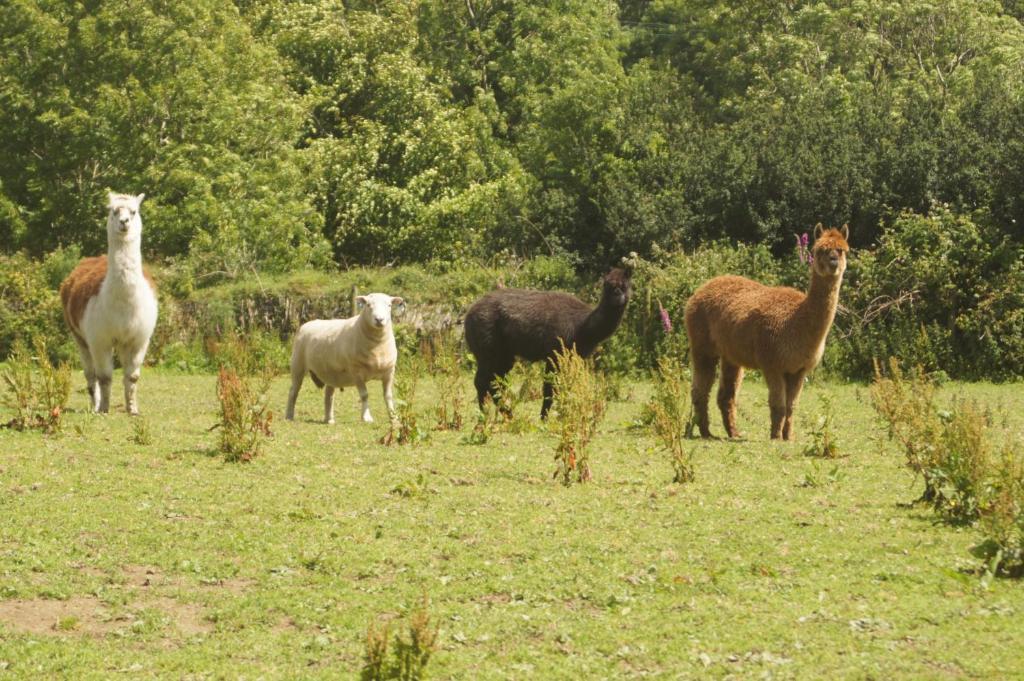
x=845, y=231
x=818, y=229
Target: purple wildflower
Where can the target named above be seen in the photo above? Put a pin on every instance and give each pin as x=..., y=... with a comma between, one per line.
x=666, y=322
x=802, y=243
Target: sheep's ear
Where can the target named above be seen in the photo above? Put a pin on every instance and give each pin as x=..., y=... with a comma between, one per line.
x=360, y=302
x=399, y=303
x=818, y=229
x=845, y=231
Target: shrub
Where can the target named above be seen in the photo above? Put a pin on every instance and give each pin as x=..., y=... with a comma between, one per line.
x=943, y=291
x=37, y=391
x=579, y=408
x=952, y=449
x=670, y=416
x=30, y=306
x=1002, y=516
x=409, y=658
x=823, y=438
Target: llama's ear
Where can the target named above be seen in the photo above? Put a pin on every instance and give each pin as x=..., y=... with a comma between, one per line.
x=818, y=229
x=110, y=198
x=138, y=199
x=845, y=231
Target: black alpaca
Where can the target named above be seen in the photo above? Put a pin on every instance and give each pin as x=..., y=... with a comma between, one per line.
x=532, y=325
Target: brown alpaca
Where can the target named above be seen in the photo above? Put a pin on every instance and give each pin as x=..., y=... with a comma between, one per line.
x=778, y=330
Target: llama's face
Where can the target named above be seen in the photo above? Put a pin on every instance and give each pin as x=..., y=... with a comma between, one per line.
x=830, y=249
x=617, y=287
x=124, y=223
x=376, y=307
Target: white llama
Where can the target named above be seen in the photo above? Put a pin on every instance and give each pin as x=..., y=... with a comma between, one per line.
x=110, y=304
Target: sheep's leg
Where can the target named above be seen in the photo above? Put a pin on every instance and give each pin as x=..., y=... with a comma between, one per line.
x=728, y=391
x=103, y=363
x=364, y=399
x=89, y=370
x=329, y=404
x=298, y=375
x=132, y=365
x=387, y=387
x=703, y=378
x=776, y=401
x=794, y=384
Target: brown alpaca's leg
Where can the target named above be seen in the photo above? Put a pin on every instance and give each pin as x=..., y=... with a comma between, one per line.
x=728, y=390
x=776, y=402
x=703, y=379
x=794, y=384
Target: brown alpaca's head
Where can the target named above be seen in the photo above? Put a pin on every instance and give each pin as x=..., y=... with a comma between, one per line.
x=830, y=249
x=617, y=286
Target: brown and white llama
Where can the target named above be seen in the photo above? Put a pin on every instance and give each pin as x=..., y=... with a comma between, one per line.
x=110, y=304
x=779, y=330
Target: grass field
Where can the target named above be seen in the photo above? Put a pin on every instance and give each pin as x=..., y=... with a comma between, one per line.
x=125, y=560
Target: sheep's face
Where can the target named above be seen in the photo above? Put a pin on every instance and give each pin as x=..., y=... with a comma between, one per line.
x=124, y=223
x=617, y=287
x=830, y=249
x=376, y=308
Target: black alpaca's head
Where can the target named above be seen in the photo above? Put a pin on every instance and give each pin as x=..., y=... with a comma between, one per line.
x=617, y=287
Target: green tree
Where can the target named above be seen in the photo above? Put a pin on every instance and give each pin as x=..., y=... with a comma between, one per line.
x=173, y=99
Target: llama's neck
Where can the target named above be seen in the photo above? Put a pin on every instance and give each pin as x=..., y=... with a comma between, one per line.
x=599, y=324
x=815, y=314
x=124, y=265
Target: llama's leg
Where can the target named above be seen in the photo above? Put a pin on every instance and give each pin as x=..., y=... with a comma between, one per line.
x=328, y=404
x=298, y=375
x=700, y=391
x=388, y=388
x=794, y=384
x=549, y=398
x=728, y=391
x=776, y=401
x=364, y=399
x=486, y=374
x=103, y=364
x=131, y=362
x=89, y=371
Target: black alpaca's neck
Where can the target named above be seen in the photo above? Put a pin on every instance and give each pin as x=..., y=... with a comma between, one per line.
x=599, y=325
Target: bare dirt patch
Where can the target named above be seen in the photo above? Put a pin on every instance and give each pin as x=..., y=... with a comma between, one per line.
x=80, y=615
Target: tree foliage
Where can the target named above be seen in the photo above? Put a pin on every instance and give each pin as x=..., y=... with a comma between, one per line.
x=274, y=133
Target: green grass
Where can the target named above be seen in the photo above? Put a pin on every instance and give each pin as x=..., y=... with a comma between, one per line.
x=162, y=560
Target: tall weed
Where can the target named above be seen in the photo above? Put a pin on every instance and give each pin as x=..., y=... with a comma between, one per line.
x=403, y=425
x=579, y=407
x=670, y=415
x=1001, y=516
x=409, y=656
x=243, y=386
x=823, y=442
x=448, y=367
x=37, y=391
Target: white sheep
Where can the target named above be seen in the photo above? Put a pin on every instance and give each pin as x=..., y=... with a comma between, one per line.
x=344, y=352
